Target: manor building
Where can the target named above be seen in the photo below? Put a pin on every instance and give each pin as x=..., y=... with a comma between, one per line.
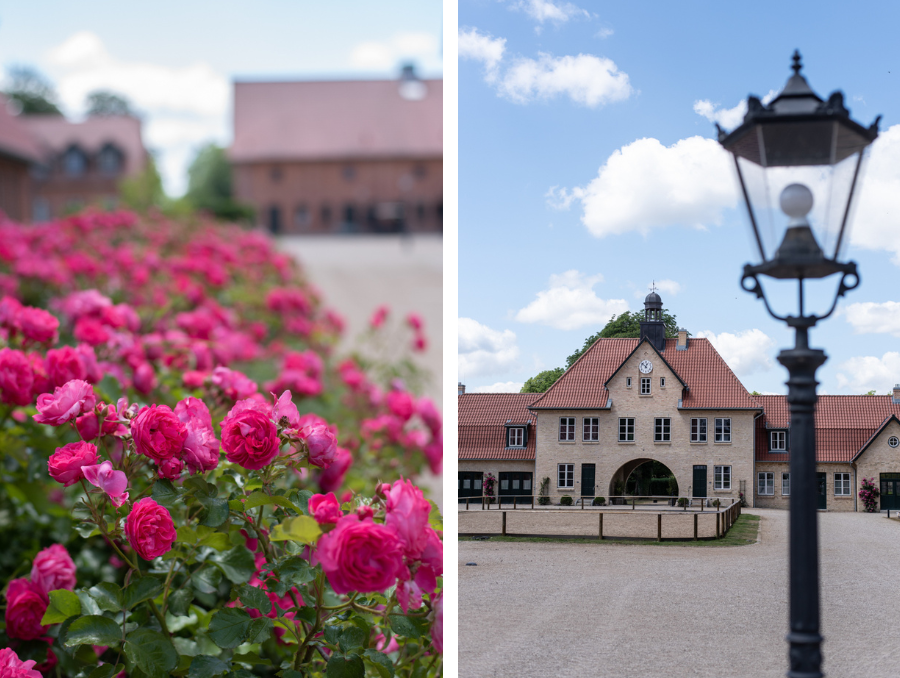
x=626, y=402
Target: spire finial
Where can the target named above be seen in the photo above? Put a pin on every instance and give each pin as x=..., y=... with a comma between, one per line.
x=653, y=287
x=797, y=65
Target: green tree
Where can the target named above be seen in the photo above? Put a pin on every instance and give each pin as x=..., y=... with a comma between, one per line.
x=103, y=103
x=31, y=91
x=144, y=190
x=210, y=186
x=542, y=381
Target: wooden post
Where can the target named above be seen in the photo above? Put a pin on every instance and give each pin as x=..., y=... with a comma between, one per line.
x=504, y=523
x=601, y=525
x=695, y=527
x=532, y=499
x=515, y=497
x=467, y=503
x=659, y=527
x=582, y=502
x=632, y=503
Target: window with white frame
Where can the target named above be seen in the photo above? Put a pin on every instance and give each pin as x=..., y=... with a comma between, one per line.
x=627, y=382
x=698, y=429
x=516, y=437
x=778, y=441
x=566, y=477
x=785, y=484
x=626, y=429
x=662, y=430
x=765, y=483
x=645, y=385
x=893, y=441
x=567, y=428
x=841, y=484
x=722, y=478
x=723, y=430
x=591, y=429
x=662, y=382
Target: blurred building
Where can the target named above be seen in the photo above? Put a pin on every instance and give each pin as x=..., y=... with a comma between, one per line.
x=18, y=153
x=81, y=163
x=341, y=156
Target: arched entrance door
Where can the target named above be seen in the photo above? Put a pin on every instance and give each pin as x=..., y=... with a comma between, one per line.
x=643, y=478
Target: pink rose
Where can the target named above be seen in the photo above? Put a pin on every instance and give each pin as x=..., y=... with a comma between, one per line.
x=332, y=477
x=201, y=447
x=194, y=378
x=150, y=529
x=434, y=452
x=437, y=628
x=322, y=444
x=158, y=433
x=65, y=464
x=286, y=409
x=91, y=367
x=114, y=483
x=144, y=378
x=325, y=508
x=16, y=377
x=91, y=331
x=401, y=405
x=414, y=320
x=430, y=415
x=360, y=555
x=378, y=317
x=407, y=515
x=53, y=569
x=66, y=403
x=25, y=605
x=234, y=384
x=249, y=438
x=9, y=312
x=13, y=667
x=37, y=325
x=65, y=364
x=170, y=468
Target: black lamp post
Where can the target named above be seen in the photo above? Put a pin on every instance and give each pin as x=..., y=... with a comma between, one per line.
x=797, y=138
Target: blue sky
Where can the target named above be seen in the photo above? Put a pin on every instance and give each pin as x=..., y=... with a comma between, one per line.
x=176, y=60
x=587, y=169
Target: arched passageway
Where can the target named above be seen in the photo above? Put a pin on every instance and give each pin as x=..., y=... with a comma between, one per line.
x=643, y=477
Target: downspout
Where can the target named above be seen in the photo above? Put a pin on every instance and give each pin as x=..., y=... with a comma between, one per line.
x=855, y=490
x=753, y=474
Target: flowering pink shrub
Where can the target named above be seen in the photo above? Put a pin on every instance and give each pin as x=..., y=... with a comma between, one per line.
x=869, y=494
x=175, y=416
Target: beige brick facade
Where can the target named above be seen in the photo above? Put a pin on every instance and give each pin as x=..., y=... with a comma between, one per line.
x=781, y=500
x=878, y=458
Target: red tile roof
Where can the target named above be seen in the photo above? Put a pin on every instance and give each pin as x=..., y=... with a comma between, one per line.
x=15, y=139
x=710, y=382
x=844, y=424
x=482, y=419
x=335, y=120
x=54, y=134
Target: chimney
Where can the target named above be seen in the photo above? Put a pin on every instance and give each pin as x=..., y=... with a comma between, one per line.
x=411, y=86
x=895, y=395
x=460, y=387
x=682, y=343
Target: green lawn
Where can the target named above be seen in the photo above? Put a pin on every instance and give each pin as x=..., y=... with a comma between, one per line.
x=744, y=531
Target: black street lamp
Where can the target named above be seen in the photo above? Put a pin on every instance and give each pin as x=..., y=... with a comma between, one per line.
x=810, y=153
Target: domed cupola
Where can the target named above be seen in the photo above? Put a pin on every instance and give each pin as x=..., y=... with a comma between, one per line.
x=652, y=326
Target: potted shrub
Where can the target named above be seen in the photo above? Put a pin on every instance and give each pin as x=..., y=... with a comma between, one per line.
x=565, y=500
x=869, y=494
x=716, y=503
x=599, y=501
x=543, y=498
x=682, y=501
x=490, y=481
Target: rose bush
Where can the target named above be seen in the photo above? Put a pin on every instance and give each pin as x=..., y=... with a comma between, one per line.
x=161, y=513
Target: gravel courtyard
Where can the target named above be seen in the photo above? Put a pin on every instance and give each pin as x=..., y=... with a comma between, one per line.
x=538, y=609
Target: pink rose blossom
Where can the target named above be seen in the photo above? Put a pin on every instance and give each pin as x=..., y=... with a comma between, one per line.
x=65, y=364
x=430, y=415
x=286, y=409
x=437, y=628
x=150, y=529
x=332, y=477
x=16, y=377
x=434, y=452
x=25, y=605
x=158, y=433
x=234, y=384
x=325, y=508
x=170, y=468
x=114, y=483
x=401, y=404
x=322, y=445
x=360, y=555
x=66, y=403
x=144, y=378
x=9, y=312
x=37, y=325
x=65, y=464
x=194, y=378
x=414, y=320
x=420, y=343
x=201, y=447
x=91, y=331
x=407, y=515
x=13, y=667
x=53, y=569
x=249, y=437
x=378, y=317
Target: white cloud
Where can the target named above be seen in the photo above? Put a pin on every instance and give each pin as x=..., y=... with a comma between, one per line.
x=483, y=350
x=865, y=373
x=729, y=118
x=545, y=10
x=586, y=79
x=570, y=302
x=484, y=48
x=869, y=317
x=646, y=185
x=604, y=33
x=183, y=107
x=420, y=47
x=745, y=352
x=500, y=387
x=875, y=222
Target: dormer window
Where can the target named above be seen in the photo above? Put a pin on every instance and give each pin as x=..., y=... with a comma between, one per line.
x=74, y=162
x=515, y=436
x=778, y=441
x=109, y=160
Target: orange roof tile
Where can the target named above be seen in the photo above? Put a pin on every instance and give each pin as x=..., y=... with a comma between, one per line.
x=15, y=139
x=482, y=430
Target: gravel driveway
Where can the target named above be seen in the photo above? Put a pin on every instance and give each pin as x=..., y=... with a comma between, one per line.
x=537, y=609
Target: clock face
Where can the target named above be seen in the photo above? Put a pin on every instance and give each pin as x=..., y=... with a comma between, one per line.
x=645, y=367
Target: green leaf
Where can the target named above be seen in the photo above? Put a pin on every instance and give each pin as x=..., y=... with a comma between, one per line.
x=251, y=658
x=88, y=604
x=198, y=486
x=381, y=662
x=256, y=598
x=262, y=499
x=348, y=666
x=141, y=590
x=405, y=626
x=229, y=626
x=301, y=529
x=206, y=580
x=186, y=535
x=352, y=638
x=216, y=511
x=63, y=604
x=204, y=666
x=295, y=572
x=259, y=631
x=216, y=540
x=165, y=493
x=152, y=652
x=301, y=500
x=332, y=634
x=434, y=518
x=93, y=630
x=180, y=602
x=237, y=564
x=106, y=671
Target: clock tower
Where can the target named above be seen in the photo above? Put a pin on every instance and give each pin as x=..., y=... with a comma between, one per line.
x=652, y=326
